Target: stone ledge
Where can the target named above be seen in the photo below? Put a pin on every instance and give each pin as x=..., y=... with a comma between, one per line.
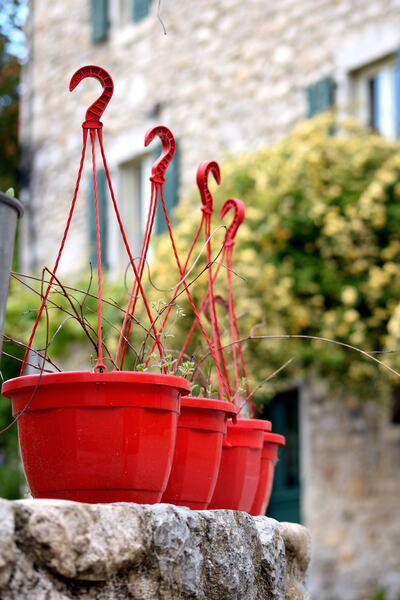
x=58, y=550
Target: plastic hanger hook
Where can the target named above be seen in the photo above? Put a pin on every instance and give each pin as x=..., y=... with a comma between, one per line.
x=203, y=173
x=95, y=111
x=238, y=216
x=167, y=151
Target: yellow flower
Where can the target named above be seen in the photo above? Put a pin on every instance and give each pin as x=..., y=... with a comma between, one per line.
x=349, y=295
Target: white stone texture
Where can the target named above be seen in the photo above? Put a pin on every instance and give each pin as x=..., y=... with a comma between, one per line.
x=229, y=76
x=62, y=550
x=351, y=497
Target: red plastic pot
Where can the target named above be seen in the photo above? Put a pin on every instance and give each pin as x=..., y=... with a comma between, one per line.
x=97, y=437
x=240, y=465
x=201, y=430
x=269, y=458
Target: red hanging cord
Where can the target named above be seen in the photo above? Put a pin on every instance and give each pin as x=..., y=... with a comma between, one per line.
x=222, y=383
x=239, y=212
x=157, y=180
x=60, y=251
x=99, y=367
x=137, y=279
x=176, y=292
x=203, y=172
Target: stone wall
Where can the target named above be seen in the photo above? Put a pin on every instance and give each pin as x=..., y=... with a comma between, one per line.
x=56, y=550
x=229, y=76
x=351, y=491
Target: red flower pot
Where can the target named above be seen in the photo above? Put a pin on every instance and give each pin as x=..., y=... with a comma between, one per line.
x=240, y=465
x=97, y=437
x=201, y=429
x=269, y=458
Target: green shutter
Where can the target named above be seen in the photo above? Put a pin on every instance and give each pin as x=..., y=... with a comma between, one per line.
x=397, y=93
x=99, y=19
x=141, y=9
x=171, y=189
x=320, y=96
x=102, y=194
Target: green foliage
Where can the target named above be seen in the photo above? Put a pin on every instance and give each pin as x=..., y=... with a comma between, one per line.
x=379, y=595
x=319, y=251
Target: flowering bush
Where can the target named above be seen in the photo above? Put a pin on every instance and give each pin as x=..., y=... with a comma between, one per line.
x=319, y=250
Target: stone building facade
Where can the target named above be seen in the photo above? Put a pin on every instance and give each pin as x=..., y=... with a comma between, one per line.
x=228, y=76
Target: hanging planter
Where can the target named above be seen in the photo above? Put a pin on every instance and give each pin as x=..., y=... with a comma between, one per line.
x=97, y=437
x=240, y=465
x=269, y=458
x=201, y=430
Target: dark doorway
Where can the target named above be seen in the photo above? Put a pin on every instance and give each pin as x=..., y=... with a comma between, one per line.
x=283, y=411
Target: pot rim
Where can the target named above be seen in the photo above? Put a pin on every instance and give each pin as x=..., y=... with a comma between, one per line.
x=274, y=438
x=13, y=203
x=252, y=424
x=209, y=403
x=77, y=377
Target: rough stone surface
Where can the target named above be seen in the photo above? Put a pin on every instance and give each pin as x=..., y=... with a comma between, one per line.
x=56, y=550
x=229, y=76
x=351, y=492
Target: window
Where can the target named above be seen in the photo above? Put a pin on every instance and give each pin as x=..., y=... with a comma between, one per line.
x=133, y=10
x=133, y=196
x=134, y=199
x=376, y=96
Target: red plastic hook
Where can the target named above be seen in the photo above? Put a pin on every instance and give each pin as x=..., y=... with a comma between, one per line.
x=238, y=216
x=94, y=111
x=203, y=172
x=167, y=153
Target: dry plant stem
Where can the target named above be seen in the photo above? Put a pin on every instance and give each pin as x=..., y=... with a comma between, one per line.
x=41, y=370
x=28, y=363
x=187, y=285
x=204, y=304
x=311, y=337
x=10, y=340
x=81, y=319
x=272, y=375
x=113, y=304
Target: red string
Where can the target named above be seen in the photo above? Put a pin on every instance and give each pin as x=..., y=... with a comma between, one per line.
x=128, y=250
x=127, y=323
x=168, y=310
x=60, y=251
x=200, y=310
x=100, y=366
x=235, y=334
x=222, y=383
x=220, y=359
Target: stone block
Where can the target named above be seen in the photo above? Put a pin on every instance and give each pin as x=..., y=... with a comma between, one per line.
x=59, y=550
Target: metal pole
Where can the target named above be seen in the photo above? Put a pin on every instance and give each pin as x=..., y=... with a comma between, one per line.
x=10, y=210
